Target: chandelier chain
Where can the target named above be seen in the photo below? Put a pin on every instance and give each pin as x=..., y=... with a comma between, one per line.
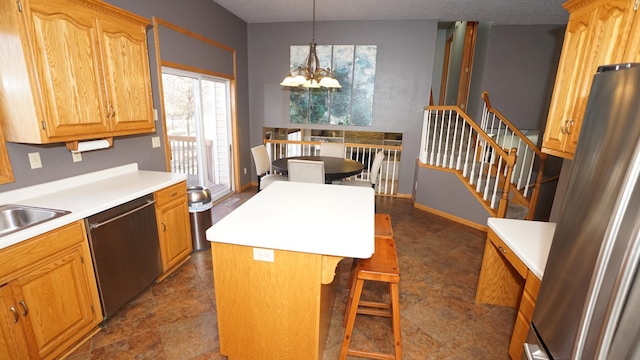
x=313, y=23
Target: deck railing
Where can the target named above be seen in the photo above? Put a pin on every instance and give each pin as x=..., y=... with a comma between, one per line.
x=184, y=158
x=364, y=153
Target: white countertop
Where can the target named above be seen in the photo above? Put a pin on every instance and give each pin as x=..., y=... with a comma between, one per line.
x=85, y=195
x=312, y=218
x=529, y=240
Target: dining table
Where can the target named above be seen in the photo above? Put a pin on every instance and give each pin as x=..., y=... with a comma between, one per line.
x=334, y=168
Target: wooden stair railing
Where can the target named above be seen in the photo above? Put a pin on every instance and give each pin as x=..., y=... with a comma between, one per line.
x=530, y=158
x=452, y=141
x=487, y=157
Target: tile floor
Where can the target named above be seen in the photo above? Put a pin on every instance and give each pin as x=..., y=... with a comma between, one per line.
x=439, y=263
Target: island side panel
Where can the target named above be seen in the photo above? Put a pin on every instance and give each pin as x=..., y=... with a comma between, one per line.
x=499, y=282
x=268, y=310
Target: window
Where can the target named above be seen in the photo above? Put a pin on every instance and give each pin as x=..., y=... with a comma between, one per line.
x=197, y=109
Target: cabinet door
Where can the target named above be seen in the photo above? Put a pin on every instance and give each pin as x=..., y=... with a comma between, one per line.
x=126, y=67
x=568, y=76
x=175, y=232
x=632, y=51
x=13, y=342
x=65, y=49
x=596, y=35
x=56, y=301
x=608, y=36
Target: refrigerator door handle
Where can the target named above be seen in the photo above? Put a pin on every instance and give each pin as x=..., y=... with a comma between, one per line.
x=533, y=352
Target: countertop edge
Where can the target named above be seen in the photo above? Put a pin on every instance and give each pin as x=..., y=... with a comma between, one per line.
x=529, y=240
x=112, y=187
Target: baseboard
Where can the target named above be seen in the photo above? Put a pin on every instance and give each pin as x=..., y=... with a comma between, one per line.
x=451, y=217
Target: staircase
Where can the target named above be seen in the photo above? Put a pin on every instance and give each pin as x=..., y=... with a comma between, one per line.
x=496, y=162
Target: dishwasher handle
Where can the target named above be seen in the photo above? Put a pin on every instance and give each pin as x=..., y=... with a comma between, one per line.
x=97, y=225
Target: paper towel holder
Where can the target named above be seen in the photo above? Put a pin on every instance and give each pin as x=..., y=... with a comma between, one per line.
x=80, y=146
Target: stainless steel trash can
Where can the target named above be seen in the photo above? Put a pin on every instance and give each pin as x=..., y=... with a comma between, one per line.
x=200, y=205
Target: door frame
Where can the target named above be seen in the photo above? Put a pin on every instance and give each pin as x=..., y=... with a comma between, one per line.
x=233, y=93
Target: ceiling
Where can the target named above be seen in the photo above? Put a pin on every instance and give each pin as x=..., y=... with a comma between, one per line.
x=525, y=12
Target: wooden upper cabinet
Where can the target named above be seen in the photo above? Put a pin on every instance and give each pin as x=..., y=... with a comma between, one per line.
x=126, y=68
x=597, y=34
x=73, y=98
x=87, y=66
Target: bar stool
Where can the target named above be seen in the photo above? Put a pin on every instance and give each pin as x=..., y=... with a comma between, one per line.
x=381, y=266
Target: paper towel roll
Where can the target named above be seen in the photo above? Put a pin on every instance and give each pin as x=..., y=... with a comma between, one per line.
x=92, y=145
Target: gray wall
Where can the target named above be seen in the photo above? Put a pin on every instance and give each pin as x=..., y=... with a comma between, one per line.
x=203, y=17
x=519, y=71
x=403, y=76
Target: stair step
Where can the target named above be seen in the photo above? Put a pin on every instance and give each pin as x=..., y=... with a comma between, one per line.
x=515, y=211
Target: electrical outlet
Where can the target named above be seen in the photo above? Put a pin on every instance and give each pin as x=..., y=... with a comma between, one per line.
x=265, y=255
x=34, y=160
x=76, y=156
x=245, y=171
x=155, y=142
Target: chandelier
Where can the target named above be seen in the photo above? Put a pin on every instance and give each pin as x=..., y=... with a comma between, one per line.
x=312, y=75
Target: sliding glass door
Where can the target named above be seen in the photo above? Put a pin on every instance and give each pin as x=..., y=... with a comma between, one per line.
x=197, y=112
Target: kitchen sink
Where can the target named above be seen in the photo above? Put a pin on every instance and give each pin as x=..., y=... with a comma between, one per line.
x=18, y=217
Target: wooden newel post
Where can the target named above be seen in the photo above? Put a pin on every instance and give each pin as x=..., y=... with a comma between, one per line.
x=504, y=200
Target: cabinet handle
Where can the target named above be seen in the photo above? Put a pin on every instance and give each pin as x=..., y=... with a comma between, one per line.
x=24, y=306
x=569, y=126
x=15, y=314
x=164, y=226
x=504, y=251
x=108, y=108
x=113, y=111
x=563, y=128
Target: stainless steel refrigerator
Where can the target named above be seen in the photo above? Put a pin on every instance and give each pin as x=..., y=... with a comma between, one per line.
x=588, y=306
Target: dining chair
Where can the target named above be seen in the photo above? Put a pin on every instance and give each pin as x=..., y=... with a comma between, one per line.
x=332, y=149
x=374, y=173
x=306, y=171
x=263, y=167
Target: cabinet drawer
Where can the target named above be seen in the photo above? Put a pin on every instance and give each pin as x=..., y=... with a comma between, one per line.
x=20, y=255
x=170, y=193
x=513, y=259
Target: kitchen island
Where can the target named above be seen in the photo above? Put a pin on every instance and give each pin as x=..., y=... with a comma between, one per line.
x=274, y=261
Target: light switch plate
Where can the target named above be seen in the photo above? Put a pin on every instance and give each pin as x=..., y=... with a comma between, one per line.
x=265, y=255
x=155, y=114
x=34, y=160
x=155, y=142
x=76, y=156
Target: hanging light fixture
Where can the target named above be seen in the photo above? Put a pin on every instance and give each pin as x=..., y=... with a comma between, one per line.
x=312, y=75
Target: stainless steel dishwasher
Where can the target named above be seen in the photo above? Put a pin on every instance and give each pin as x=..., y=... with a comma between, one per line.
x=125, y=251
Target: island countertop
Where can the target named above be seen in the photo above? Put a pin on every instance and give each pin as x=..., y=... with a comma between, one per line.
x=529, y=240
x=313, y=218
x=84, y=195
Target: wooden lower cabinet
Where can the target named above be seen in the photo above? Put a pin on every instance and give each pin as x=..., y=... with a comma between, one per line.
x=48, y=297
x=174, y=229
x=523, y=320
x=506, y=281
